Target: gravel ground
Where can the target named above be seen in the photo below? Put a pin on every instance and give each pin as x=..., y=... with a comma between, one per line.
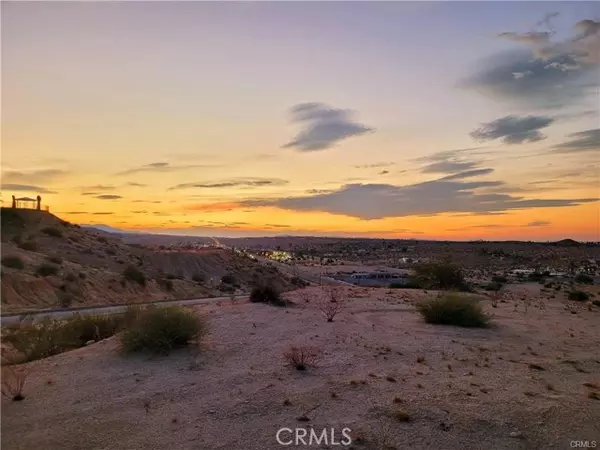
x=461, y=388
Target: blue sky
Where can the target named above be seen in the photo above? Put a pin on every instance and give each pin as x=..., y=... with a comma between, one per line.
x=195, y=101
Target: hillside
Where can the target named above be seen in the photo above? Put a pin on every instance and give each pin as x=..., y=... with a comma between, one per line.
x=48, y=263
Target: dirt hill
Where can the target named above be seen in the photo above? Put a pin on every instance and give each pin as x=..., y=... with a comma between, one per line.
x=48, y=263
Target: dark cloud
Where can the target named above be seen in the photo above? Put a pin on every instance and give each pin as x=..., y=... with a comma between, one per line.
x=74, y=212
x=90, y=193
x=146, y=201
x=384, y=172
x=164, y=167
x=140, y=212
x=323, y=126
x=102, y=213
x=26, y=188
x=235, y=182
x=32, y=176
x=513, y=130
x=133, y=184
x=376, y=201
x=108, y=197
x=547, y=74
x=518, y=78
x=582, y=141
x=319, y=191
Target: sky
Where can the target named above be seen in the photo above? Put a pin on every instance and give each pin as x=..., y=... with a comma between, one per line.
x=428, y=120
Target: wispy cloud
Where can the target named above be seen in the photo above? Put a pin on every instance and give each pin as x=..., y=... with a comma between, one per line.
x=234, y=182
x=582, y=141
x=26, y=188
x=164, y=167
x=323, y=127
x=32, y=177
x=513, y=129
x=108, y=197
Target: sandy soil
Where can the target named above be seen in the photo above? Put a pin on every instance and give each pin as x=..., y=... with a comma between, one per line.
x=474, y=389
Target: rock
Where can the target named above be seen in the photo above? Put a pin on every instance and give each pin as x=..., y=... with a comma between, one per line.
x=516, y=434
x=91, y=341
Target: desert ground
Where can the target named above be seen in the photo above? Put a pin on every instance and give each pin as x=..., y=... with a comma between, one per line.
x=526, y=382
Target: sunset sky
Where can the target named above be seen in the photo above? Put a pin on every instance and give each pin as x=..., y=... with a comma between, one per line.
x=470, y=120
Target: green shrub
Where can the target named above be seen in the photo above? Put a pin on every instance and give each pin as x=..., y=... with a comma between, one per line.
x=51, y=337
x=46, y=270
x=160, y=330
x=135, y=275
x=584, y=279
x=52, y=231
x=266, y=294
x=578, y=296
x=14, y=262
x=440, y=276
x=453, y=309
x=30, y=246
x=227, y=288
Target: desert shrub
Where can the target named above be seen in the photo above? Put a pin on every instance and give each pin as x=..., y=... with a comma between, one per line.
x=199, y=278
x=493, y=286
x=102, y=239
x=55, y=259
x=111, y=251
x=46, y=270
x=52, y=231
x=537, y=276
x=578, y=296
x=51, y=337
x=228, y=279
x=65, y=299
x=14, y=262
x=330, y=308
x=30, y=246
x=70, y=277
x=266, y=294
x=135, y=275
x=584, y=279
x=440, y=276
x=297, y=281
x=82, y=275
x=18, y=239
x=165, y=284
x=160, y=330
x=453, y=309
x=499, y=279
x=13, y=382
x=301, y=357
x=227, y=288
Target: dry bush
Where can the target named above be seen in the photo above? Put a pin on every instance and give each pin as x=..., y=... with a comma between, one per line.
x=301, y=357
x=332, y=303
x=13, y=381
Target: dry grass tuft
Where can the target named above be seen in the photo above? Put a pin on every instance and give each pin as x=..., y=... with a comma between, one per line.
x=13, y=382
x=301, y=357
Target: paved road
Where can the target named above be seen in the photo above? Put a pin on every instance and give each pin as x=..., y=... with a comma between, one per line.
x=108, y=309
x=302, y=273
